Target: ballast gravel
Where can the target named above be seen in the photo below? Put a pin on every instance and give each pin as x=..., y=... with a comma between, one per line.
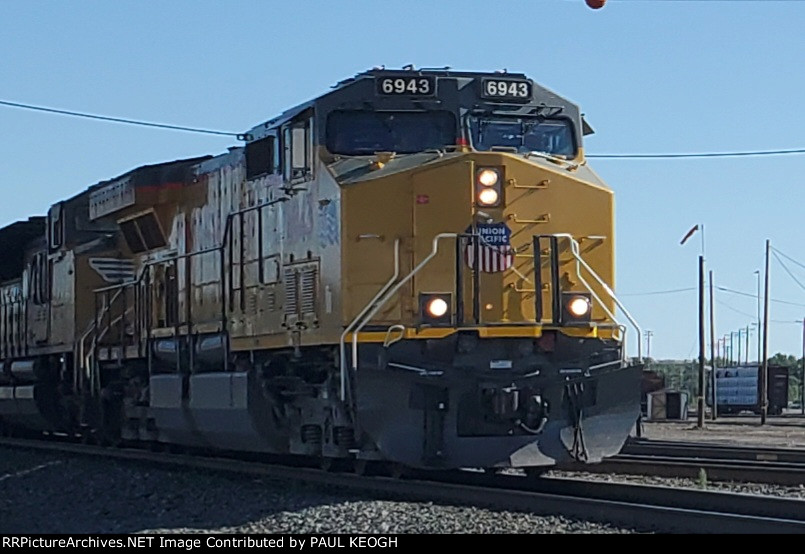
x=44, y=492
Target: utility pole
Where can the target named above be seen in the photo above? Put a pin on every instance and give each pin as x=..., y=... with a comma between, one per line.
x=747, y=345
x=802, y=375
x=740, y=332
x=713, y=410
x=732, y=348
x=649, y=334
x=759, y=333
x=764, y=363
x=700, y=402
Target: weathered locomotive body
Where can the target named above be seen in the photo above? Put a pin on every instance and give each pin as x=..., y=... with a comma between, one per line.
x=415, y=267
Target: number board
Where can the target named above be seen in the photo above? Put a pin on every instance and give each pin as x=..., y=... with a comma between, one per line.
x=506, y=89
x=408, y=85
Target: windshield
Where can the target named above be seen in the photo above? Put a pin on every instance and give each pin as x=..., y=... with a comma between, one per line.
x=357, y=133
x=552, y=136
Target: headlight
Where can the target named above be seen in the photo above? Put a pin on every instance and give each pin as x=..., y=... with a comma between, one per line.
x=434, y=308
x=577, y=307
x=437, y=307
x=488, y=177
x=488, y=197
x=489, y=185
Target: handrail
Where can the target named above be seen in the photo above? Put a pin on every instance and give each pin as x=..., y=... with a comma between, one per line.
x=342, y=346
x=574, y=249
x=83, y=356
x=81, y=360
x=210, y=250
x=387, y=295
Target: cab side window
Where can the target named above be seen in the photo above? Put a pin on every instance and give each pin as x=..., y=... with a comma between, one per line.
x=297, y=140
x=262, y=157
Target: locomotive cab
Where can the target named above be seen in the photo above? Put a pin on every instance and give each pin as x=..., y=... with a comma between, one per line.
x=476, y=270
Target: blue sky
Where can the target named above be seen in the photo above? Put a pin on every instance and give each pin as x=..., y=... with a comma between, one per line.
x=651, y=76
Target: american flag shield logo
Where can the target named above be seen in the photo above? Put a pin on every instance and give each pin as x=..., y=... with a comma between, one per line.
x=489, y=249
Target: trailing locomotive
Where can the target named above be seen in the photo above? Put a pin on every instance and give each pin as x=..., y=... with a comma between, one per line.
x=415, y=267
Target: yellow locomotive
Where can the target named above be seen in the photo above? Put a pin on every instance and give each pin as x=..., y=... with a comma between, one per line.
x=415, y=267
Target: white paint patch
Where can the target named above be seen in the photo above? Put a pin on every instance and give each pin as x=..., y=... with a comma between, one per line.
x=24, y=472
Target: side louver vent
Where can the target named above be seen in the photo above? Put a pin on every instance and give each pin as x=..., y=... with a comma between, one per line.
x=301, y=294
x=291, y=292
x=308, y=301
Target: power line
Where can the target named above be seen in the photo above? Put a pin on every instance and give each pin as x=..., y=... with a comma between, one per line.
x=698, y=154
x=733, y=291
x=751, y=315
x=733, y=309
x=785, y=267
x=723, y=289
x=120, y=120
x=241, y=136
x=800, y=264
x=654, y=292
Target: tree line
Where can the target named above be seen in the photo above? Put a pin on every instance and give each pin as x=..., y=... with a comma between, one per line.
x=683, y=375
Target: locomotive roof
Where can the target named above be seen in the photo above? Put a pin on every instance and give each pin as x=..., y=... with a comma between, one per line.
x=342, y=91
x=157, y=174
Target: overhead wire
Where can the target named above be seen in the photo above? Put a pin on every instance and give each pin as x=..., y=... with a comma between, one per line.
x=785, y=267
x=126, y=121
x=698, y=154
x=755, y=296
x=241, y=136
x=786, y=256
x=752, y=316
x=656, y=292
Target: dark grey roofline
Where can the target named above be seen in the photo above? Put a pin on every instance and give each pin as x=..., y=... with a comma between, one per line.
x=290, y=113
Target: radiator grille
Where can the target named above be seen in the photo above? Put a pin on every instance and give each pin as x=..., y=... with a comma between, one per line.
x=308, y=291
x=291, y=292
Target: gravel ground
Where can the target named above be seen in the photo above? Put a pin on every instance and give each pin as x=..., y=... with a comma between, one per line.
x=778, y=432
x=745, y=488
x=60, y=493
x=743, y=430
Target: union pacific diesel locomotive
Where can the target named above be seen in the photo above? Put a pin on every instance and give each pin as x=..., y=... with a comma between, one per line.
x=416, y=267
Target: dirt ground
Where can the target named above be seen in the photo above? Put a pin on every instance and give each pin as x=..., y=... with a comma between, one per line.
x=787, y=431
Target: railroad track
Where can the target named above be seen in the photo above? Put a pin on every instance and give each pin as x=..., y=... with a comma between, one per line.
x=644, y=508
x=777, y=466
x=645, y=447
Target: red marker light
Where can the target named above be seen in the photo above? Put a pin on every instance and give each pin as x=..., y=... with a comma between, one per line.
x=461, y=141
x=596, y=4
